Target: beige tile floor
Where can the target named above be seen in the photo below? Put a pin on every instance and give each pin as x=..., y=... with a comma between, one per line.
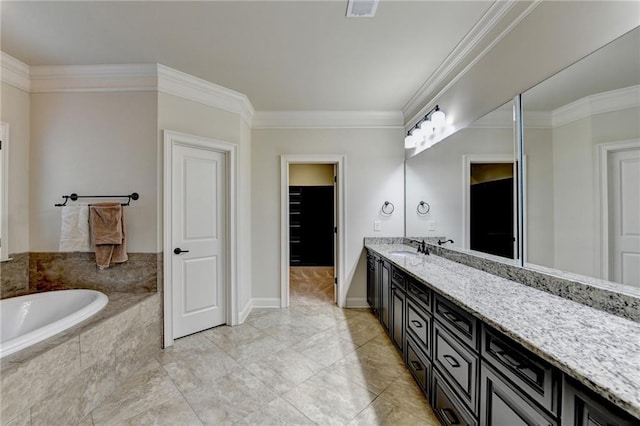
x=312, y=363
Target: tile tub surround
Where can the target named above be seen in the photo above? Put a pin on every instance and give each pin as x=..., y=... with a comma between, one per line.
x=56, y=271
x=62, y=379
x=599, y=349
x=14, y=276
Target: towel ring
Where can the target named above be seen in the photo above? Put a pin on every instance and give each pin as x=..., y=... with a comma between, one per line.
x=387, y=208
x=423, y=208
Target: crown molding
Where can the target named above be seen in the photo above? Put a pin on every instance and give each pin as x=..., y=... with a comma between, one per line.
x=327, y=119
x=93, y=78
x=615, y=100
x=487, y=23
x=178, y=83
x=14, y=72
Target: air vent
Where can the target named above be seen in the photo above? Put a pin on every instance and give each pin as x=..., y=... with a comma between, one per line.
x=361, y=8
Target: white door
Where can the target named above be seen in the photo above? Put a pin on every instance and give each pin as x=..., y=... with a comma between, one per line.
x=624, y=216
x=198, y=223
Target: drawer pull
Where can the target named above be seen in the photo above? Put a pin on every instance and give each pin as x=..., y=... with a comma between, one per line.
x=416, y=365
x=452, y=361
x=450, y=416
x=416, y=324
x=450, y=316
x=525, y=369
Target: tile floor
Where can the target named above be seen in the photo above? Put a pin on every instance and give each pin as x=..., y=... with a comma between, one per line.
x=312, y=363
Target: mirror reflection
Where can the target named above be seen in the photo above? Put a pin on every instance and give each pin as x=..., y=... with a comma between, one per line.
x=582, y=146
x=462, y=189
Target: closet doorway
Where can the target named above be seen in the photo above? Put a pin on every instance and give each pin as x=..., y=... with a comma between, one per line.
x=490, y=211
x=311, y=195
x=311, y=234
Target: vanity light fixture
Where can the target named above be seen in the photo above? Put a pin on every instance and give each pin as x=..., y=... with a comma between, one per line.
x=432, y=120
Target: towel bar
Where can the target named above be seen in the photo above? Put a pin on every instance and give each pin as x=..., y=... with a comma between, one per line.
x=74, y=197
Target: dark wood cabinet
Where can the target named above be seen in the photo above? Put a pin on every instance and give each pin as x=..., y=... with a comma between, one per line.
x=470, y=372
x=371, y=281
x=311, y=225
x=535, y=378
x=447, y=406
x=385, y=293
x=397, y=315
x=581, y=407
x=502, y=403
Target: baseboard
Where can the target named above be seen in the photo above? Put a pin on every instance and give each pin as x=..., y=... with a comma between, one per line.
x=265, y=302
x=244, y=312
x=357, y=302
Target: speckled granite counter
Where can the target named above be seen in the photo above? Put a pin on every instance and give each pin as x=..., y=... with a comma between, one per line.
x=599, y=349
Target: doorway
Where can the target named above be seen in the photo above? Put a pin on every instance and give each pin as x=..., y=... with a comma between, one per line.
x=312, y=231
x=199, y=234
x=620, y=210
x=490, y=212
x=312, y=234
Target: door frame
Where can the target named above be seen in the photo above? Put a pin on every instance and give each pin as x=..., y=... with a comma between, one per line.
x=4, y=203
x=339, y=163
x=467, y=160
x=604, y=149
x=172, y=139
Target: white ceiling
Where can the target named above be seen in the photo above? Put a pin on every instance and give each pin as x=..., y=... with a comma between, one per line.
x=289, y=55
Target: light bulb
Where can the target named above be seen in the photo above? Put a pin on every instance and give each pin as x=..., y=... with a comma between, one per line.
x=426, y=127
x=409, y=142
x=438, y=118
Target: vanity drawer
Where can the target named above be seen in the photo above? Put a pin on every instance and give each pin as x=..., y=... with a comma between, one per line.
x=462, y=324
x=447, y=407
x=534, y=377
x=419, y=293
x=419, y=325
x=457, y=364
x=419, y=366
x=398, y=278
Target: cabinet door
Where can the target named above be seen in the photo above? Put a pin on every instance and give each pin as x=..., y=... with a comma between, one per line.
x=377, y=284
x=501, y=404
x=385, y=293
x=581, y=407
x=397, y=323
x=371, y=281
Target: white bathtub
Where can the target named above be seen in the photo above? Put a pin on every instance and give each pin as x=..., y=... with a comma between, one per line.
x=26, y=320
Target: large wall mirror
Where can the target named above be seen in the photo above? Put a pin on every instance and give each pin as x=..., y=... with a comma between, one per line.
x=466, y=184
x=581, y=174
x=582, y=140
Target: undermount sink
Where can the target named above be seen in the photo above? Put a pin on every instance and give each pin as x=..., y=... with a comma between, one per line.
x=402, y=253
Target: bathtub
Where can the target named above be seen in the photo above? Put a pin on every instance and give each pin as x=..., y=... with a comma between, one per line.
x=26, y=320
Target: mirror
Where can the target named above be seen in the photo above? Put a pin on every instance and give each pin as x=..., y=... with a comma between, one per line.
x=462, y=189
x=582, y=159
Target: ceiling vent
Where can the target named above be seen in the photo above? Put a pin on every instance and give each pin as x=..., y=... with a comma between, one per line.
x=361, y=8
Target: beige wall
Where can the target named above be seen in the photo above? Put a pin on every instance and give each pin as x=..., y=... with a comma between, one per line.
x=15, y=112
x=374, y=173
x=93, y=144
x=185, y=116
x=310, y=174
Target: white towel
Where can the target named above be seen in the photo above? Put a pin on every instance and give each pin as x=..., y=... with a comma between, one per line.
x=74, y=233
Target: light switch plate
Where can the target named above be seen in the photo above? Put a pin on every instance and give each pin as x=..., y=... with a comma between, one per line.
x=377, y=226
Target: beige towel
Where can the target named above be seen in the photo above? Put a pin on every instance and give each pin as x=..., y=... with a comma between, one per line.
x=74, y=232
x=108, y=229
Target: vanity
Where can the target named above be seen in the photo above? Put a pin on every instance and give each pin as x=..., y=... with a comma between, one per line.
x=486, y=350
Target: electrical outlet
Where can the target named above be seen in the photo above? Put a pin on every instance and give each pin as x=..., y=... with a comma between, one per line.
x=431, y=225
x=377, y=226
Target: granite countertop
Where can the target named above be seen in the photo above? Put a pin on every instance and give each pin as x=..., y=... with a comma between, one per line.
x=599, y=349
